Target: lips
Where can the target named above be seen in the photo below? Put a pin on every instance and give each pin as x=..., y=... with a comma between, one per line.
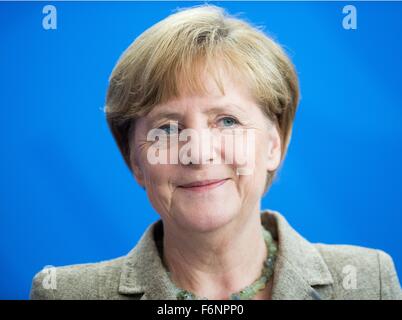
x=202, y=186
x=203, y=183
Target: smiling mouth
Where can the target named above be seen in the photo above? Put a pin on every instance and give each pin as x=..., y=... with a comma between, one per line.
x=203, y=185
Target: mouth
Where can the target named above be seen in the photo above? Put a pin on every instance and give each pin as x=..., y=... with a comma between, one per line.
x=203, y=185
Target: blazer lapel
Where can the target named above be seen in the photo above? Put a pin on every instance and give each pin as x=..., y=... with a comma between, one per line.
x=300, y=271
x=143, y=272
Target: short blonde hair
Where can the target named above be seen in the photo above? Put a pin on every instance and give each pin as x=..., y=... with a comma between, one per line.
x=168, y=57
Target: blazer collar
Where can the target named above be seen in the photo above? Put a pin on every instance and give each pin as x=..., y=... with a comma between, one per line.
x=143, y=271
x=300, y=271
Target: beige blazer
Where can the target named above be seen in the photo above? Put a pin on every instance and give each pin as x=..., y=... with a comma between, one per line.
x=302, y=271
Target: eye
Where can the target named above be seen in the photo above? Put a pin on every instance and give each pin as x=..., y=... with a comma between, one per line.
x=169, y=129
x=228, y=122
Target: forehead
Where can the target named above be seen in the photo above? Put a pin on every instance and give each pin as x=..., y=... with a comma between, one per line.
x=234, y=96
x=177, y=111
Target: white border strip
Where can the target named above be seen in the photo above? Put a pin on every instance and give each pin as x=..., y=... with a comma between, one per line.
x=198, y=2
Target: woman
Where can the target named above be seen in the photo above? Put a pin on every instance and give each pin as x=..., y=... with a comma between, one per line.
x=179, y=93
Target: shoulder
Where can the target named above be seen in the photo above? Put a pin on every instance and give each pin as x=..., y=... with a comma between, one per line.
x=80, y=281
x=361, y=272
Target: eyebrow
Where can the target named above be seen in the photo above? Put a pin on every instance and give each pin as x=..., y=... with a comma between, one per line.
x=177, y=116
x=166, y=114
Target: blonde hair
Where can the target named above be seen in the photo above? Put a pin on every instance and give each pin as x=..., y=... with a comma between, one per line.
x=170, y=55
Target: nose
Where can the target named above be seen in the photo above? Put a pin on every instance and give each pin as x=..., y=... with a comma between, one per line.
x=200, y=147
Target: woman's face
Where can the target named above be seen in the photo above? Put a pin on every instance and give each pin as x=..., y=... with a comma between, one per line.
x=229, y=139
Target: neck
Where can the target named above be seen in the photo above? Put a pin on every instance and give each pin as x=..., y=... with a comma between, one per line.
x=217, y=263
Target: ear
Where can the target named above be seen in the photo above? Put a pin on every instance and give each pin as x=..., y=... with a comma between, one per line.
x=137, y=173
x=136, y=170
x=134, y=163
x=274, y=150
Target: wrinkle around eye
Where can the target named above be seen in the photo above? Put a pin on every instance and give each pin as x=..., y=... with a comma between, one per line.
x=141, y=144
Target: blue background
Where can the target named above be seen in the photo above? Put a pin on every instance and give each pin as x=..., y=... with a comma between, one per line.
x=66, y=196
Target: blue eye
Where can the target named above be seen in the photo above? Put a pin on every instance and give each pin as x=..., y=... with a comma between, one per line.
x=169, y=129
x=229, y=121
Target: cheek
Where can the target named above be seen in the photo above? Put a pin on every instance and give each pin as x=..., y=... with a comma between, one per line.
x=157, y=174
x=158, y=186
x=159, y=171
x=242, y=152
x=250, y=159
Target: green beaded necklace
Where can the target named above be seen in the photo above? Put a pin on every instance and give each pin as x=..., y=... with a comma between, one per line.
x=250, y=291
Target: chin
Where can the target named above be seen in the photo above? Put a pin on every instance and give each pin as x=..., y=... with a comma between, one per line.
x=206, y=219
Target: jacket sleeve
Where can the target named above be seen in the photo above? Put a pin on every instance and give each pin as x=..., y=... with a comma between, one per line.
x=72, y=282
x=41, y=288
x=390, y=288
